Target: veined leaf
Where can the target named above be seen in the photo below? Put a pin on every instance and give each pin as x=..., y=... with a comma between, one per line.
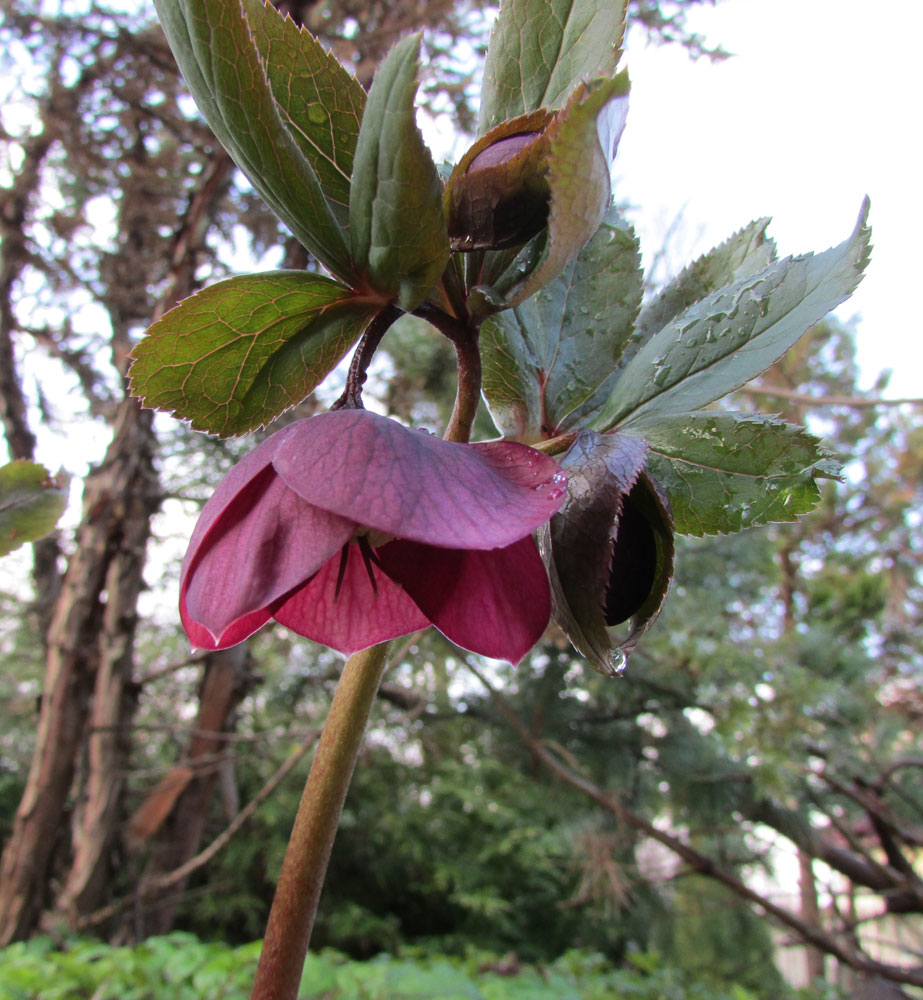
x=541, y=49
x=319, y=101
x=235, y=355
x=31, y=501
x=730, y=337
x=220, y=61
x=727, y=471
x=550, y=361
x=397, y=226
x=741, y=255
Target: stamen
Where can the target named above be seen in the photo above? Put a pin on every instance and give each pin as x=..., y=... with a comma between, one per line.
x=369, y=557
x=341, y=572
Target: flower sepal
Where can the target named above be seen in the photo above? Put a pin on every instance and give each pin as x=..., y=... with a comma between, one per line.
x=609, y=550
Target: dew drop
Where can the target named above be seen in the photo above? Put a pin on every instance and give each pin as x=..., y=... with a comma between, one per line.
x=618, y=663
x=559, y=479
x=317, y=113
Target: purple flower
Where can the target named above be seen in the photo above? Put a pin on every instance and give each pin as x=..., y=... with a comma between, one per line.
x=351, y=529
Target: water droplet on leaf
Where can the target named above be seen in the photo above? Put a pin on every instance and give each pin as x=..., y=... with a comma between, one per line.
x=317, y=113
x=618, y=663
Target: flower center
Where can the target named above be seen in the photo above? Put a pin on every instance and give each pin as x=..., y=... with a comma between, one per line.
x=368, y=539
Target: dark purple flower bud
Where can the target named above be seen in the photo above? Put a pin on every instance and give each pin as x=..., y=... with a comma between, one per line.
x=498, y=193
x=609, y=550
x=351, y=529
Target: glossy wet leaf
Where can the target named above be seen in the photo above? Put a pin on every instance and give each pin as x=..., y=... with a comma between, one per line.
x=318, y=100
x=551, y=360
x=731, y=336
x=237, y=354
x=31, y=501
x=746, y=252
x=397, y=226
x=727, y=471
x=221, y=64
x=540, y=50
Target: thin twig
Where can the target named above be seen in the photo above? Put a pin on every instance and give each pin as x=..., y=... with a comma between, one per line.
x=700, y=862
x=858, y=402
x=157, y=885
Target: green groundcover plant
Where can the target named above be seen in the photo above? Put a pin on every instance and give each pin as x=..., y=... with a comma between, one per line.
x=180, y=967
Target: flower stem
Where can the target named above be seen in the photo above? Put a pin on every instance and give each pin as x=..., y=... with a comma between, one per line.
x=291, y=918
x=468, y=393
x=464, y=335
x=362, y=358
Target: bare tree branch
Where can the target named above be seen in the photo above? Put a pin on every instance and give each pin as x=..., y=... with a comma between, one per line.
x=699, y=862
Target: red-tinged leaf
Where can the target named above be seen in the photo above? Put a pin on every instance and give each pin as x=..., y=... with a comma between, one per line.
x=234, y=356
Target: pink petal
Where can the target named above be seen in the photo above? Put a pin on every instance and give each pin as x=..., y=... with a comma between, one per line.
x=495, y=603
x=201, y=638
x=263, y=543
x=355, y=618
x=414, y=485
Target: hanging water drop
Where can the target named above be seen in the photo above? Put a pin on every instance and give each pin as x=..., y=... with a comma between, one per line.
x=618, y=663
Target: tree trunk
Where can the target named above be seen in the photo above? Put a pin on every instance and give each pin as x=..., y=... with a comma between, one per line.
x=71, y=667
x=810, y=914
x=98, y=813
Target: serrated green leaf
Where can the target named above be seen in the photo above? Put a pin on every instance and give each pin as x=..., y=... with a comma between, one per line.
x=727, y=471
x=220, y=61
x=541, y=49
x=31, y=501
x=741, y=255
x=549, y=362
x=319, y=101
x=235, y=355
x=730, y=337
x=397, y=226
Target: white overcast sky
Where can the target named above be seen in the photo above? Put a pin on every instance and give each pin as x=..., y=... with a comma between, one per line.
x=820, y=105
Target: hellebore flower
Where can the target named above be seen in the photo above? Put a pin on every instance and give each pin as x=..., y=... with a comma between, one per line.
x=351, y=529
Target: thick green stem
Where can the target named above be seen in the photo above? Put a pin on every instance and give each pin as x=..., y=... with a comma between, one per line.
x=291, y=918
